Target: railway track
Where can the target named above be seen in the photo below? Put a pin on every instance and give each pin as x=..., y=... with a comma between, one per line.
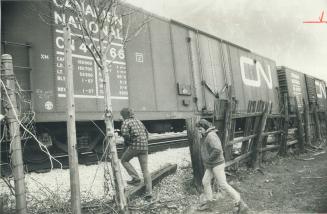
x=39, y=162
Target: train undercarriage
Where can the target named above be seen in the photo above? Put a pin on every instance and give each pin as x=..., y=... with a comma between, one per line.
x=90, y=142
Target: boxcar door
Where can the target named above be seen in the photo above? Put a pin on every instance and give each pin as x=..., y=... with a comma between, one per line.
x=209, y=70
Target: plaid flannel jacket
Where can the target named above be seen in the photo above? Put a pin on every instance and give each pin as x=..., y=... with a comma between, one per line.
x=135, y=134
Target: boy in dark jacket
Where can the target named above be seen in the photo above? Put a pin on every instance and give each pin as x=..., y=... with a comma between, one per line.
x=136, y=143
x=213, y=159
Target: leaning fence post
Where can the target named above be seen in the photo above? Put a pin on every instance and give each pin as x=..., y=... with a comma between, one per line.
x=307, y=123
x=300, y=130
x=71, y=126
x=283, y=145
x=258, y=139
x=1, y=116
x=15, y=148
x=1, y=200
x=0, y=106
x=317, y=122
x=227, y=125
x=195, y=150
x=249, y=122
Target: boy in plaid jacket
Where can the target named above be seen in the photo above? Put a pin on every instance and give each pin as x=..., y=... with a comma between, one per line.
x=136, y=142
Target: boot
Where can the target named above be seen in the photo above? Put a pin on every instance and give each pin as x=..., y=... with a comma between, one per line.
x=148, y=197
x=134, y=181
x=241, y=207
x=206, y=206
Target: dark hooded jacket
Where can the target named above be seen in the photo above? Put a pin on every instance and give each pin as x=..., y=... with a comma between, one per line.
x=211, y=149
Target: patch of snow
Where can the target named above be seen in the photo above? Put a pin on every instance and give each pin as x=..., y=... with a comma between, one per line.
x=57, y=181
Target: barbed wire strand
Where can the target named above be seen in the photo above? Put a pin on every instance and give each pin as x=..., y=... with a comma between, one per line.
x=42, y=147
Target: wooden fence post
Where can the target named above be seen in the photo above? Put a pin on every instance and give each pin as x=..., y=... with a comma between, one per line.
x=1, y=200
x=195, y=150
x=1, y=119
x=14, y=126
x=0, y=99
x=71, y=126
x=283, y=144
x=300, y=130
x=307, y=123
x=317, y=122
x=227, y=126
x=259, y=108
x=258, y=139
x=0, y=104
x=109, y=138
x=265, y=138
x=248, y=127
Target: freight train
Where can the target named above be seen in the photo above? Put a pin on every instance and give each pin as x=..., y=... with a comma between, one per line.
x=168, y=72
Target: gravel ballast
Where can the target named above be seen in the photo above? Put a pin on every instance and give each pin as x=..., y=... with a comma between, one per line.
x=56, y=183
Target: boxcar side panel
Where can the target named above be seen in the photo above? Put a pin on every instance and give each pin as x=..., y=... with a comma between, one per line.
x=182, y=65
x=88, y=79
x=321, y=94
x=140, y=71
x=254, y=78
x=316, y=92
x=296, y=87
x=164, y=78
x=311, y=89
x=212, y=68
x=271, y=92
x=240, y=90
x=23, y=26
x=46, y=57
x=197, y=71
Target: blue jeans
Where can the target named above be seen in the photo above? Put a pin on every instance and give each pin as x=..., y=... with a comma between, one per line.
x=143, y=160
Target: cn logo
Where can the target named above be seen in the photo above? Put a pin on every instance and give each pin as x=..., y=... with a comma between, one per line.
x=260, y=73
x=320, y=89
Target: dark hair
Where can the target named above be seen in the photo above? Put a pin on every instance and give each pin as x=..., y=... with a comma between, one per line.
x=127, y=113
x=204, y=124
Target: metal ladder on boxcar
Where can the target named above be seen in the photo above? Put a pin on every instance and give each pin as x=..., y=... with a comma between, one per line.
x=20, y=51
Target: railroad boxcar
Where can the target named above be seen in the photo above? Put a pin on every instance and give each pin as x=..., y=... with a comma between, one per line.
x=166, y=73
x=318, y=103
x=306, y=90
x=217, y=63
x=316, y=92
x=303, y=87
x=293, y=83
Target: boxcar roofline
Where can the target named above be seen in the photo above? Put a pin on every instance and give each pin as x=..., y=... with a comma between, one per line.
x=208, y=34
x=186, y=26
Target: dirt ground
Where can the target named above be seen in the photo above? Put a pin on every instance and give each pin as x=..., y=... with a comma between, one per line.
x=294, y=184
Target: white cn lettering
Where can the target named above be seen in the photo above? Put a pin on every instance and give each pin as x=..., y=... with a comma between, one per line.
x=320, y=89
x=60, y=42
x=259, y=70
